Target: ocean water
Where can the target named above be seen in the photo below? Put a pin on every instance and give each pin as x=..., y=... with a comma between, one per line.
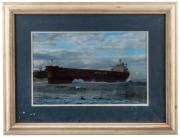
x=80, y=92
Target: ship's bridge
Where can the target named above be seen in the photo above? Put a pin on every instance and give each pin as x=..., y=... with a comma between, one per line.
x=120, y=67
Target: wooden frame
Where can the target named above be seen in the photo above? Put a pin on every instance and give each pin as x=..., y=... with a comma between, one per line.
x=167, y=8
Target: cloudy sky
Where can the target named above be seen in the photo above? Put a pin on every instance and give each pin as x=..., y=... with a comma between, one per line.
x=92, y=50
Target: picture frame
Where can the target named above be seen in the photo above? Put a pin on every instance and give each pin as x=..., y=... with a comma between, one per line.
x=11, y=127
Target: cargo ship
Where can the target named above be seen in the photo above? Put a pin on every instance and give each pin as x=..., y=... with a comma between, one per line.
x=58, y=75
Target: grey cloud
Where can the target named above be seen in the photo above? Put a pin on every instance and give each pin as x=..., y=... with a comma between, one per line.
x=128, y=40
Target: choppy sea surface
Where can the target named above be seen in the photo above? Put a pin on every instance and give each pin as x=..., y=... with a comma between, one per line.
x=79, y=92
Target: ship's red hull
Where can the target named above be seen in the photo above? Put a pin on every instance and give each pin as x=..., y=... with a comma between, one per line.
x=58, y=75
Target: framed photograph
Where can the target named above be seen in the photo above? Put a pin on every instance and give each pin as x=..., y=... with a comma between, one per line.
x=90, y=68
x=83, y=68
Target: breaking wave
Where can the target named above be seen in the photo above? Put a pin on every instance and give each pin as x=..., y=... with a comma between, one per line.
x=93, y=81
x=78, y=81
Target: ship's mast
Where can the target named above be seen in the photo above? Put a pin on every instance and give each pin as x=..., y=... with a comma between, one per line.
x=120, y=61
x=51, y=62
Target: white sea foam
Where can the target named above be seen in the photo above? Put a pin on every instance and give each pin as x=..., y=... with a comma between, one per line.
x=78, y=81
x=127, y=80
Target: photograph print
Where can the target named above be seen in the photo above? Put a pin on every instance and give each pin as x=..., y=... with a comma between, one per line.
x=91, y=68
